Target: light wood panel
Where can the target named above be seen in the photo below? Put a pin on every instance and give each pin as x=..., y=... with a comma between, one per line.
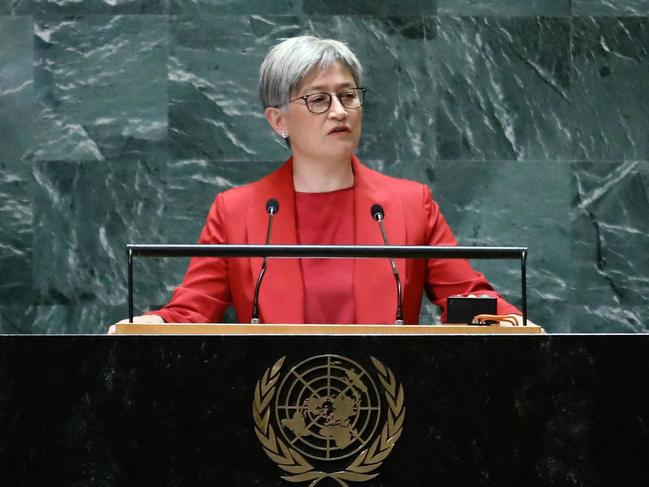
x=247, y=329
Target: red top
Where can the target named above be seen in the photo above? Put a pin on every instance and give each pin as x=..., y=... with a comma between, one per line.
x=327, y=219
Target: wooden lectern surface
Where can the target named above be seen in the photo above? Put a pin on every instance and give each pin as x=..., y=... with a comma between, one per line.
x=248, y=329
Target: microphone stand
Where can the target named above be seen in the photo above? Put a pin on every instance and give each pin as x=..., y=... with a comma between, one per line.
x=377, y=214
x=272, y=207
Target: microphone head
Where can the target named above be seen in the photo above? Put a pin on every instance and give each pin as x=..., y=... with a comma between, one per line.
x=377, y=212
x=272, y=206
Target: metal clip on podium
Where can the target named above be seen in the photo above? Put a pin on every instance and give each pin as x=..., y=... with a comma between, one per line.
x=329, y=251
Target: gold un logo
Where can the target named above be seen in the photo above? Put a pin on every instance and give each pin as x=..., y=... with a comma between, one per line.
x=327, y=411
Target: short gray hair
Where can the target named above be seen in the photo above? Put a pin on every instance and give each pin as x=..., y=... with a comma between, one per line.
x=288, y=63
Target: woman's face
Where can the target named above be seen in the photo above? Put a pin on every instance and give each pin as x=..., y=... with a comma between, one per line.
x=332, y=134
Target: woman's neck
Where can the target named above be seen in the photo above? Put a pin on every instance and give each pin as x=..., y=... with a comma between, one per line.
x=322, y=176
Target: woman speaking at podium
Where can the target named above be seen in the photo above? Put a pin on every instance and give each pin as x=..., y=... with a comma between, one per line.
x=312, y=93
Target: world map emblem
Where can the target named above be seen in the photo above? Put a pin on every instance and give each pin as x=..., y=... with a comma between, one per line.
x=325, y=417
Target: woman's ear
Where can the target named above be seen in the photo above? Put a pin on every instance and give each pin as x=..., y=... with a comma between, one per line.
x=275, y=117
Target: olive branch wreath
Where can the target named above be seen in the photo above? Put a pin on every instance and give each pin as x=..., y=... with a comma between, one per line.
x=298, y=467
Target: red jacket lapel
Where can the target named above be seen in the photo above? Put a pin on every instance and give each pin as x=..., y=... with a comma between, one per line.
x=374, y=286
x=281, y=297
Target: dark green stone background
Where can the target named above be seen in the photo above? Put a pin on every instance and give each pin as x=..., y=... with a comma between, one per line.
x=120, y=121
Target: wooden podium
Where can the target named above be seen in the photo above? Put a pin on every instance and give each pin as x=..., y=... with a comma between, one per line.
x=248, y=329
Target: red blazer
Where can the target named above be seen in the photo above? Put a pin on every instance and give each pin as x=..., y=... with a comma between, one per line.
x=238, y=216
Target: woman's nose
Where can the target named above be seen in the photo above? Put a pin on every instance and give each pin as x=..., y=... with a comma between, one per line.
x=337, y=109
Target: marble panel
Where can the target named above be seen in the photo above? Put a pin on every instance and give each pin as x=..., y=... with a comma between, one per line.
x=214, y=110
x=503, y=88
x=16, y=7
x=100, y=7
x=16, y=122
x=399, y=73
x=84, y=214
x=236, y=7
x=429, y=313
x=370, y=7
x=611, y=233
x=504, y=8
x=79, y=318
x=101, y=85
x=625, y=8
x=15, y=233
x=16, y=319
x=515, y=204
x=609, y=96
x=16, y=88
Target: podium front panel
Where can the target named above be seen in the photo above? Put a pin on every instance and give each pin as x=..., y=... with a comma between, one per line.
x=436, y=410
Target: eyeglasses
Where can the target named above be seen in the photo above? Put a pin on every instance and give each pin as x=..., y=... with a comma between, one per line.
x=321, y=102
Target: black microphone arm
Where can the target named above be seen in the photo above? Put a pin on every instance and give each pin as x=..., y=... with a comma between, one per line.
x=272, y=207
x=378, y=214
x=327, y=251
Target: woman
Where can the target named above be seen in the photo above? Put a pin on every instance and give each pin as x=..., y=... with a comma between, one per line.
x=312, y=96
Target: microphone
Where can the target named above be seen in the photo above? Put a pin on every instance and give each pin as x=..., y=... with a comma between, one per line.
x=378, y=214
x=272, y=207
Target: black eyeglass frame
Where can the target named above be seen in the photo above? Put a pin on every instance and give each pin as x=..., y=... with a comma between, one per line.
x=304, y=97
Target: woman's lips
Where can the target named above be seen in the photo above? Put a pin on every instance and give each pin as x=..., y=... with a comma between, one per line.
x=339, y=130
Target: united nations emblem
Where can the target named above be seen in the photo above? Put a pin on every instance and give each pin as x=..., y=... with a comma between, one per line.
x=327, y=411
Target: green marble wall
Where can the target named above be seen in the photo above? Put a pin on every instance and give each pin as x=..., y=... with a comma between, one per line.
x=120, y=121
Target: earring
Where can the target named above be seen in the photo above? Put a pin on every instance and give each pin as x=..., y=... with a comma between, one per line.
x=284, y=135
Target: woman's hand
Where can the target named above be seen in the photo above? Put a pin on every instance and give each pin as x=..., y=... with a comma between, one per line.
x=513, y=320
x=144, y=319
x=147, y=319
x=505, y=320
